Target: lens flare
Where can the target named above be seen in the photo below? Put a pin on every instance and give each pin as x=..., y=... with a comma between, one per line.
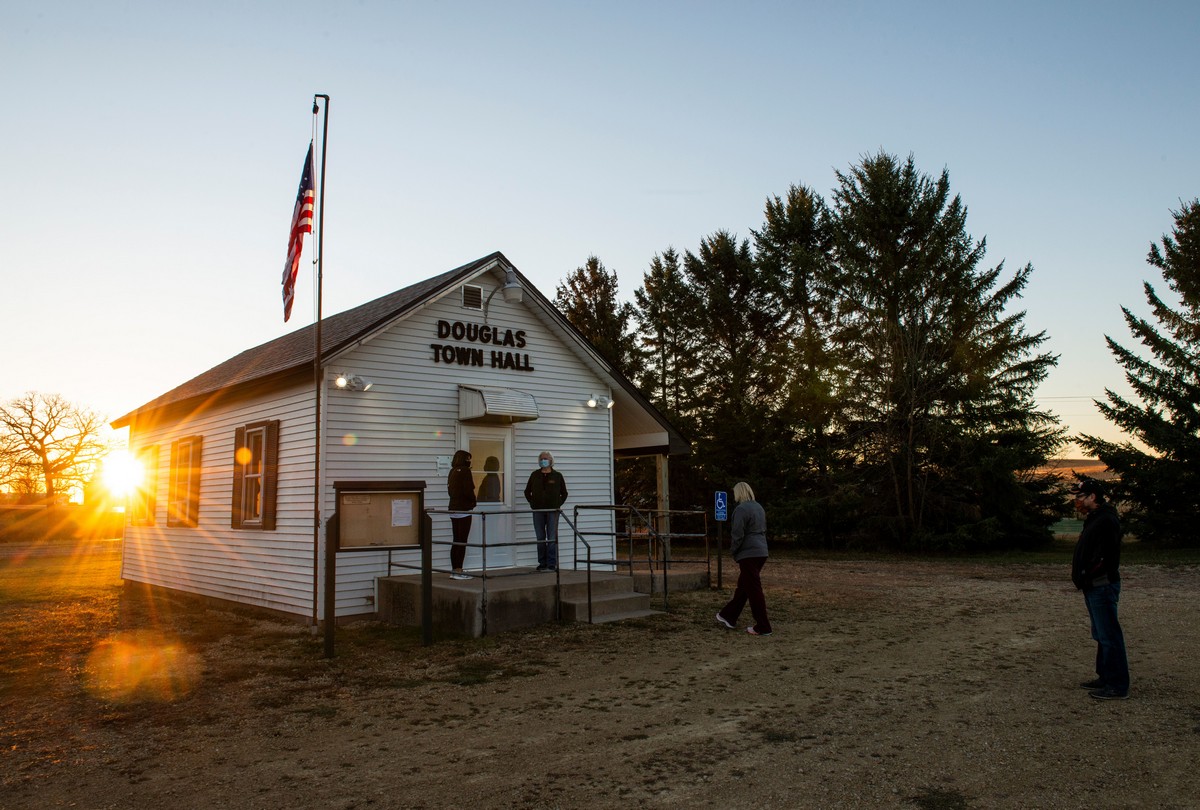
x=141, y=666
x=123, y=473
x=349, y=440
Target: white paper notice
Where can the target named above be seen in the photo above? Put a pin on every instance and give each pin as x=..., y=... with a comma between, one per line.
x=401, y=512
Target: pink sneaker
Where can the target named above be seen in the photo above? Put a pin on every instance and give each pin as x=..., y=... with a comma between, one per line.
x=754, y=632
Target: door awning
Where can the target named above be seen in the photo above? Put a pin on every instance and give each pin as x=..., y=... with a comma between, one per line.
x=495, y=406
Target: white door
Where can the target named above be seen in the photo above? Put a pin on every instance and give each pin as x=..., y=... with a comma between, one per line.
x=491, y=467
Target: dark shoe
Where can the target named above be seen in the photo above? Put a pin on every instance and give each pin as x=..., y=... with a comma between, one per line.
x=551, y=568
x=541, y=568
x=754, y=632
x=722, y=621
x=1096, y=684
x=1108, y=693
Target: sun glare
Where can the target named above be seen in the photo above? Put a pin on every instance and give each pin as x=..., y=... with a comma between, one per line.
x=141, y=665
x=122, y=473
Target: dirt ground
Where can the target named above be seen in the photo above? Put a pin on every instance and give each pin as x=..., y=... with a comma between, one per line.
x=906, y=684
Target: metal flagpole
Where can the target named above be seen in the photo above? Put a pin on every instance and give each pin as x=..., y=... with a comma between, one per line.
x=319, y=383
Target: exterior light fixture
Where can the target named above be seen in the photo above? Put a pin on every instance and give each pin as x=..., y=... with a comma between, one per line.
x=352, y=382
x=512, y=291
x=597, y=401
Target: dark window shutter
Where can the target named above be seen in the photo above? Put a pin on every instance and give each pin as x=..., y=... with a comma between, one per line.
x=239, y=441
x=174, y=518
x=193, y=515
x=145, y=498
x=270, y=474
x=151, y=482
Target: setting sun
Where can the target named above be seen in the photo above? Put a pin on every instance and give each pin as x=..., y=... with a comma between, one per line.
x=122, y=473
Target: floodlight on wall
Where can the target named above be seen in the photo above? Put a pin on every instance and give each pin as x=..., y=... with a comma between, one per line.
x=352, y=382
x=599, y=401
x=511, y=290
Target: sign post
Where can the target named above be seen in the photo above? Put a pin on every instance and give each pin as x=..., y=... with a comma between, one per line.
x=720, y=512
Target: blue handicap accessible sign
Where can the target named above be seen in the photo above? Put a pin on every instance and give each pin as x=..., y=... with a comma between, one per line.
x=722, y=501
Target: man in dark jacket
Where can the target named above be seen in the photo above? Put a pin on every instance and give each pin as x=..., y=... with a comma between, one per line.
x=1095, y=571
x=546, y=491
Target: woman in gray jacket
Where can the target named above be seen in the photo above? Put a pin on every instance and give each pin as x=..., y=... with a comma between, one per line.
x=748, y=530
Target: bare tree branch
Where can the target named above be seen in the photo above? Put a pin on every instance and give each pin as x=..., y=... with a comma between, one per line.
x=48, y=440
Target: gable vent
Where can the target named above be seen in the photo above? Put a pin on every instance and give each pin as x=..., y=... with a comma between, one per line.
x=472, y=296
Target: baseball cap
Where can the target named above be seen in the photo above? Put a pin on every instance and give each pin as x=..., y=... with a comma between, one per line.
x=1089, y=486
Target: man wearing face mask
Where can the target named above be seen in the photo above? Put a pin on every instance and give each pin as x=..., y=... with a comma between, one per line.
x=546, y=492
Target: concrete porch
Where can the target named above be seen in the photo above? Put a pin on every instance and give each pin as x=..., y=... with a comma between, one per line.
x=522, y=597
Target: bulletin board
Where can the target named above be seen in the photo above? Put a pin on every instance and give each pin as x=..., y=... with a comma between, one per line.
x=374, y=515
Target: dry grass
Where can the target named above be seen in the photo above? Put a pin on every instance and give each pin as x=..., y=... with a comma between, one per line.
x=888, y=683
x=1091, y=467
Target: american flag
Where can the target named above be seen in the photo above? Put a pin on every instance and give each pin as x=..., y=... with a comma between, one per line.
x=302, y=223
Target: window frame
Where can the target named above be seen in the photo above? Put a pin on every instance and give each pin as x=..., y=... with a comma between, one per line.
x=144, y=500
x=183, y=485
x=267, y=476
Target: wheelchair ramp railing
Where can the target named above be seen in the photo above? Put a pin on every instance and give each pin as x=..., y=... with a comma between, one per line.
x=640, y=540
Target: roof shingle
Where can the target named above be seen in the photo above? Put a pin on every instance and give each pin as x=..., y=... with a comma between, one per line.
x=295, y=350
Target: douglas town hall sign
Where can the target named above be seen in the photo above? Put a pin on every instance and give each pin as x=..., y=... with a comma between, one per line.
x=490, y=336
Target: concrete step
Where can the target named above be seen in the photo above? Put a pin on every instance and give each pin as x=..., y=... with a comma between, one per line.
x=512, y=599
x=680, y=580
x=602, y=583
x=576, y=610
x=629, y=614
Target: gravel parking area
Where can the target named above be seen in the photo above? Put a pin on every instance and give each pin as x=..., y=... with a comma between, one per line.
x=897, y=684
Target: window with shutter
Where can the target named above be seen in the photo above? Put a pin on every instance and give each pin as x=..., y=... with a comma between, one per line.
x=255, y=470
x=183, y=504
x=144, y=501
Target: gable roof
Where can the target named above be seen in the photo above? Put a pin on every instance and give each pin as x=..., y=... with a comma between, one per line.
x=293, y=354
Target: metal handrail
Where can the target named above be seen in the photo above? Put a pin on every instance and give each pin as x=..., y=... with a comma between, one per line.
x=483, y=576
x=663, y=539
x=656, y=540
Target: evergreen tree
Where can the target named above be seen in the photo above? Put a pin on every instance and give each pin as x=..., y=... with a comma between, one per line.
x=588, y=299
x=669, y=338
x=1161, y=486
x=666, y=317
x=742, y=361
x=794, y=245
x=939, y=381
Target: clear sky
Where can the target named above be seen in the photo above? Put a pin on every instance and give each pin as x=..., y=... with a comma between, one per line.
x=152, y=150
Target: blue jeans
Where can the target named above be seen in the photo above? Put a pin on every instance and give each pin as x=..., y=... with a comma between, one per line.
x=545, y=526
x=1112, y=666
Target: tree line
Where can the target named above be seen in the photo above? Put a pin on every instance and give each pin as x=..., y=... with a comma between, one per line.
x=856, y=360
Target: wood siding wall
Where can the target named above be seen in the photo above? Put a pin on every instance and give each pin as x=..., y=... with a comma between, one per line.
x=271, y=569
x=410, y=417
x=394, y=431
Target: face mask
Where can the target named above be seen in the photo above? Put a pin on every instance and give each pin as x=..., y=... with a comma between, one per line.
x=544, y=463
